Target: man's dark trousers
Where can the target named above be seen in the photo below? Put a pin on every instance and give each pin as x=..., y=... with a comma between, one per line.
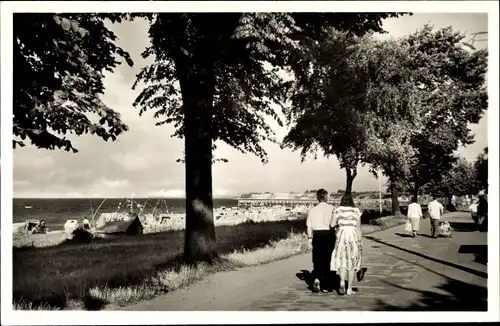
x=434, y=227
x=323, y=243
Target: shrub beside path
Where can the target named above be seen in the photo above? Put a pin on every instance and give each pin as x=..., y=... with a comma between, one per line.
x=403, y=274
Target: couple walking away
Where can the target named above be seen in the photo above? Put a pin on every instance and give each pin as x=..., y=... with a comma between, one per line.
x=435, y=209
x=335, y=235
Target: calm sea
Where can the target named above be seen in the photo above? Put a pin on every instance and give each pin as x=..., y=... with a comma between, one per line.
x=56, y=211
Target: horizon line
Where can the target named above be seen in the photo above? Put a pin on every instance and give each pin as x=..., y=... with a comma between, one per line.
x=214, y=197
x=140, y=197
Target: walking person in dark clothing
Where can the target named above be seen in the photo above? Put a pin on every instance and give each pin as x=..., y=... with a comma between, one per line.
x=322, y=239
x=482, y=214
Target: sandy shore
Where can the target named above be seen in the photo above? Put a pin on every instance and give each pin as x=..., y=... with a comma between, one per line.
x=55, y=237
x=175, y=223
x=38, y=240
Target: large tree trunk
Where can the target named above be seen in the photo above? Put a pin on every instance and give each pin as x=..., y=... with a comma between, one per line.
x=394, y=197
x=350, y=175
x=197, y=91
x=200, y=230
x=416, y=189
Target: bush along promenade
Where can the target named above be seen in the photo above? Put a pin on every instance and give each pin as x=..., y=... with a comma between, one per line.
x=126, y=270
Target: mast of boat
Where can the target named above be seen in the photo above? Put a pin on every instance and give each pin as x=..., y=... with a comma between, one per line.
x=95, y=213
x=91, y=209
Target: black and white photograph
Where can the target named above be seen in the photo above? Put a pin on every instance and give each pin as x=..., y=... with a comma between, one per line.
x=234, y=158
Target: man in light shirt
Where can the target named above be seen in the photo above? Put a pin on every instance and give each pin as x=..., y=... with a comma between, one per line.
x=322, y=239
x=435, y=211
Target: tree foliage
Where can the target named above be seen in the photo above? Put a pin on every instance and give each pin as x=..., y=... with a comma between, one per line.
x=452, y=96
x=460, y=180
x=59, y=64
x=393, y=112
x=390, y=97
x=242, y=90
x=327, y=101
x=440, y=92
x=245, y=87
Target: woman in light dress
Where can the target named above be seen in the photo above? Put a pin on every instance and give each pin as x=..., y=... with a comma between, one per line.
x=346, y=257
x=414, y=215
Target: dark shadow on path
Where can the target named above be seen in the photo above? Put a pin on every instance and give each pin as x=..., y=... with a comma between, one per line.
x=453, y=295
x=306, y=276
x=419, y=265
x=480, y=252
x=462, y=268
x=463, y=226
x=333, y=285
x=424, y=235
x=404, y=235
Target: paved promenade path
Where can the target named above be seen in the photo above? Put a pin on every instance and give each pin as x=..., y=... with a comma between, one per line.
x=404, y=273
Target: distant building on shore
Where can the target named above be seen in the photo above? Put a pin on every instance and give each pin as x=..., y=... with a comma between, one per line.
x=272, y=199
x=291, y=199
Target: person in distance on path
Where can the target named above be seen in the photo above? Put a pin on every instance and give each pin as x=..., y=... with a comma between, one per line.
x=321, y=238
x=347, y=254
x=482, y=213
x=414, y=214
x=435, y=209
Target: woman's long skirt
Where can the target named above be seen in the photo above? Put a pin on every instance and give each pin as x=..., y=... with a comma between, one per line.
x=415, y=224
x=348, y=249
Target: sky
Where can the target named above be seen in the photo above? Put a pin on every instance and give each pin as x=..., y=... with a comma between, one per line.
x=143, y=160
